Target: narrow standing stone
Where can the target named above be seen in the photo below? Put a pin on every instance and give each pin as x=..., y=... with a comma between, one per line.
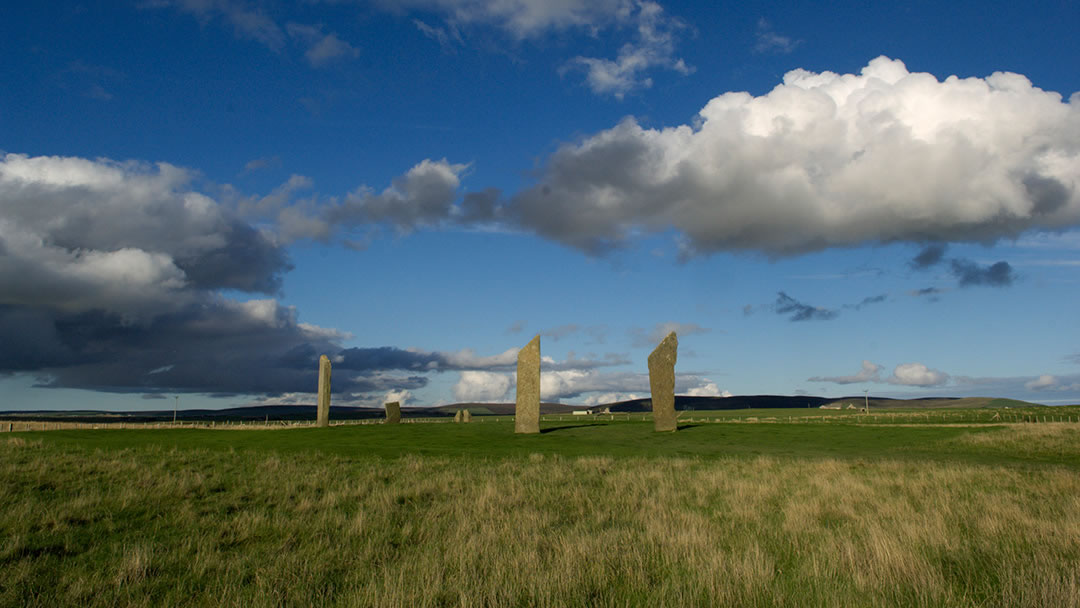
x=458, y=416
x=466, y=416
x=662, y=383
x=527, y=409
x=393, y=412
x=324, y=392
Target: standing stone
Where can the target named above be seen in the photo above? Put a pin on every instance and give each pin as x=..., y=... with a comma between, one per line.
x=458, y=416
x=466, y=416
x=324, y=392
x=662, y=382
x=527, y=410
x=393, y=412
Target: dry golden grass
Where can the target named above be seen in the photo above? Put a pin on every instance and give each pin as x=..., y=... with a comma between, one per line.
x=151, y=526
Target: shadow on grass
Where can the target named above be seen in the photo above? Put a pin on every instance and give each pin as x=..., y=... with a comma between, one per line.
x=570, y=426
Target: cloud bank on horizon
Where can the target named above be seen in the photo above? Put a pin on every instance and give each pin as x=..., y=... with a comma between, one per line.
x=115, y=274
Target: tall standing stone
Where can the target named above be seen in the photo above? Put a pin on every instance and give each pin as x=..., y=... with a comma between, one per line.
x=324, y=392
x=466, y=416
x=393, y=412
x=527, y=410
x=458, y=416
x=662, y=382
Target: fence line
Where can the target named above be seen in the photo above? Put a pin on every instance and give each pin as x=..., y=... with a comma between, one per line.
x=686, y=417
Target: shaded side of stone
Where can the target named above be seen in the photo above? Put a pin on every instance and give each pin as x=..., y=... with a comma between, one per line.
x=527, y=410
x=662, y=382
x=393, y=412
x=323, y=418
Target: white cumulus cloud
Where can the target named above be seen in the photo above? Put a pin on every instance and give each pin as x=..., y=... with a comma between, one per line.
x=824, y=160
x=917, y=374
x=477, y=386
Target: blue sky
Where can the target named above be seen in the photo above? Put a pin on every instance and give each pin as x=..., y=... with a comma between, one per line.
x=199, y=197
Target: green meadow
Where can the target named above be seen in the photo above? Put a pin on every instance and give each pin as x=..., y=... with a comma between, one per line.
x=771, y=508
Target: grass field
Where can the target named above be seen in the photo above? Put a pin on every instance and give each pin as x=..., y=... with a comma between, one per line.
x=593, y=513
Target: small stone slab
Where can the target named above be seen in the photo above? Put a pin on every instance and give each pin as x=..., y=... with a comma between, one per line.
x=323, y=418
x=393, y=412
x=662, y=383
x=527, y=408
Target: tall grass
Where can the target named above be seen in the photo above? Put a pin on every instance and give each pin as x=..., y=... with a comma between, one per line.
x=153, y=526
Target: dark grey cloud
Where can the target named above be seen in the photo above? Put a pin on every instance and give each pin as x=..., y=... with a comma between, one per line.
x=930, y=256
x=216, y=347
x=800, y=311
x=109, y=281
x=932, y=294
x=867, y=301
x=247, y=261
x=480, y=207
x=388, y=358
x=970, y=274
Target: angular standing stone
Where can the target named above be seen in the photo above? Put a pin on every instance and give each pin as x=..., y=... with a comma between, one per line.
x=466, y=416
x=458, y=416
x=393, y=412
x=527, y=410
x=662, y=383
x=323, y=418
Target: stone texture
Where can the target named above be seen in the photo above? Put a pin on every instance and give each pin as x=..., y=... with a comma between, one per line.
x=458, y=416
x=324, y=392
x=527, y=410
x=393, y=412
x=466, y=416
x=662, y=382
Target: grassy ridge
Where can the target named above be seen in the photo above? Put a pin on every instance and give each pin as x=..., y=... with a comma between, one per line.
x=607, y=515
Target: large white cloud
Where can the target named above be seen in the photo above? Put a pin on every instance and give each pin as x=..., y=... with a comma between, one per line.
x=917, y=374
x=825, y=160
x=477, y=386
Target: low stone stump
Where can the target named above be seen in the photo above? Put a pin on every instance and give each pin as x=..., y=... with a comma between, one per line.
x=393, y=412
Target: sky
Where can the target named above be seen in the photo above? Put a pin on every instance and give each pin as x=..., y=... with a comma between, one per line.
x=200, y=197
